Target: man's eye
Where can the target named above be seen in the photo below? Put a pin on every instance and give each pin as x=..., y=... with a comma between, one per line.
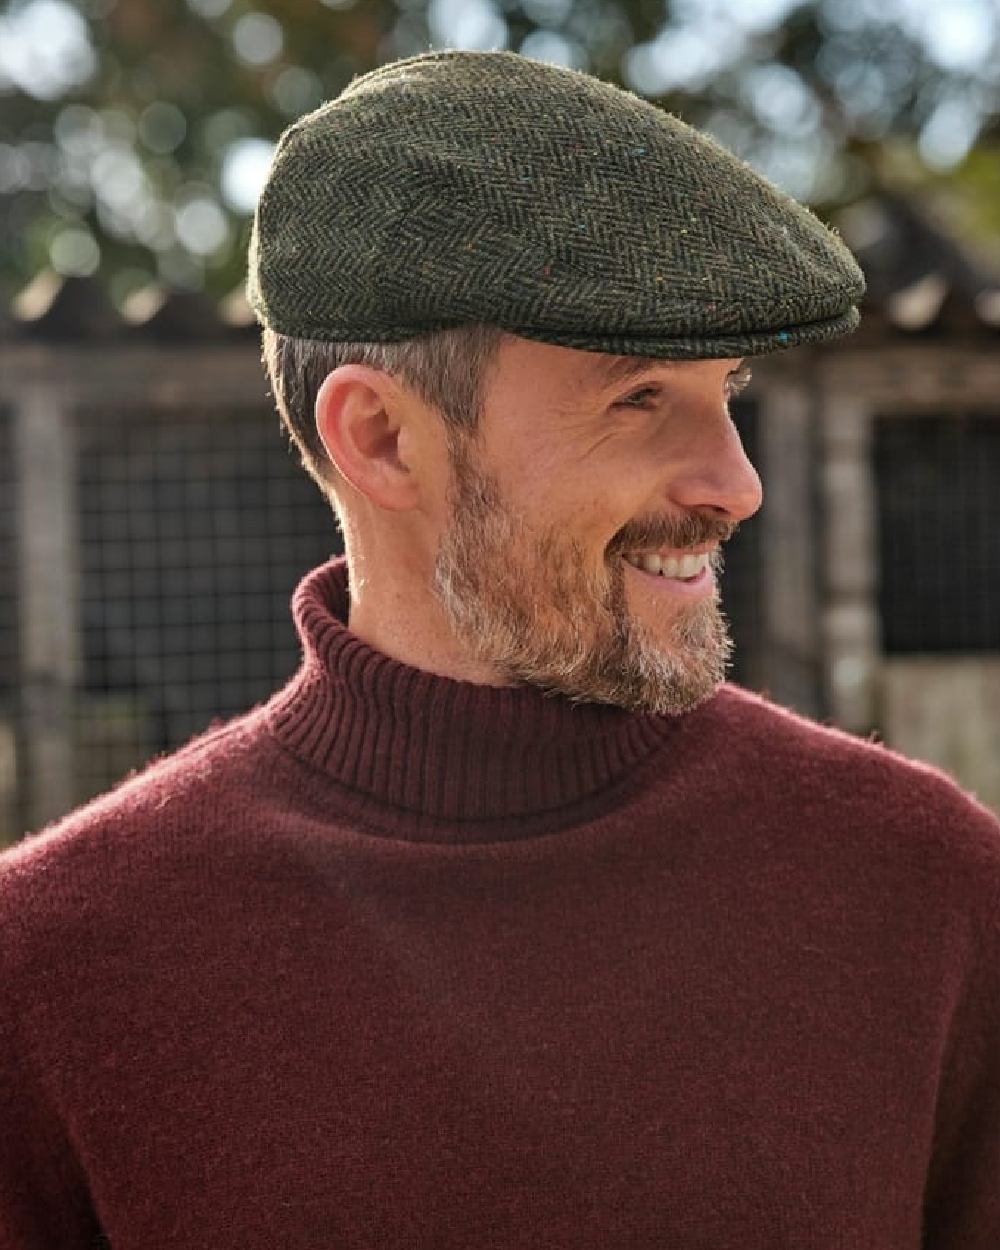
x=641, y=398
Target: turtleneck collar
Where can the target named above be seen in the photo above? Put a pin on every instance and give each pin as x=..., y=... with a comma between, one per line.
x=434, y=747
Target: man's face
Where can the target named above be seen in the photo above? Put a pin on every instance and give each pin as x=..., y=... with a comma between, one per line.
x=571, y=470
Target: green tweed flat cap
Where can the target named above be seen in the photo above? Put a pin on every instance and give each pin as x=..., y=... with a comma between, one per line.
x=457, y=186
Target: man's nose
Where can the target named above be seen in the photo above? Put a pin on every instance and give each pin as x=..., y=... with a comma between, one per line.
x=717, y=475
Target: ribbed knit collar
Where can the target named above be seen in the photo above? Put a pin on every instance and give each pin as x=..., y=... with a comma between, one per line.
x=427, y=745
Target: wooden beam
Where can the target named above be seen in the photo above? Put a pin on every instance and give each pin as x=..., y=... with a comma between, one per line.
x=791, y=661
x=48, y=600
x=850, y=624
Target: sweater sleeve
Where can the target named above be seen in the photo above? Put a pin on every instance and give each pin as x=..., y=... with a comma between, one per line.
x=962, y=1195
x=44, y=1197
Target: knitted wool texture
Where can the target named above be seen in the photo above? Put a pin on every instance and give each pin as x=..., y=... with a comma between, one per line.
x=457, y=187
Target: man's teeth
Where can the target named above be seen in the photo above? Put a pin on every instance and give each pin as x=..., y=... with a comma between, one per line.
x=685, y=566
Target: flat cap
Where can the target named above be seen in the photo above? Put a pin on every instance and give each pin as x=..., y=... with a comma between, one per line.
x=456, y=186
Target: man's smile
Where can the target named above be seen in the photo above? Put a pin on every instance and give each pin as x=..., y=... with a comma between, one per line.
x=691, y=577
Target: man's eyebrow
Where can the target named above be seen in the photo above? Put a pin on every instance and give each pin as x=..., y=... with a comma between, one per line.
x=621, y=368
x=613, y=370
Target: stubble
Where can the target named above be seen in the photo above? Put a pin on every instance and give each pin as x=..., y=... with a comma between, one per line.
x=529, y=605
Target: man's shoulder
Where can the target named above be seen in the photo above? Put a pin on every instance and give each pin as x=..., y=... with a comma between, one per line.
x=779, y=732
x=817, y=768
x=153, y=814
x=136, y=880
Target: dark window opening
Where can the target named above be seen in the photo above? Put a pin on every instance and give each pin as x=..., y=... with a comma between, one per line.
x=938, y=492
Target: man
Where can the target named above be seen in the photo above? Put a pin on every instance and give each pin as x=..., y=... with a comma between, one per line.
x=508, y=922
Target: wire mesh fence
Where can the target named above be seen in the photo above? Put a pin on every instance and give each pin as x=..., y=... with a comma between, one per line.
x=192, y=528
x=938, y=507
x=189, y=529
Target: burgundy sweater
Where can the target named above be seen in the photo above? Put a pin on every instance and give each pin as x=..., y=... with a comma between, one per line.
x=394, y=961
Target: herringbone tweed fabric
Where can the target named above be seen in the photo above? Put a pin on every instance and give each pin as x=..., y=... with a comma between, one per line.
x=484, y=186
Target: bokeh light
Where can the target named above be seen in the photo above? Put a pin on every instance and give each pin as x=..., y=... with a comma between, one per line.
x=74, y=252
x=45, y=49
x=243, y=172
x=257, y=38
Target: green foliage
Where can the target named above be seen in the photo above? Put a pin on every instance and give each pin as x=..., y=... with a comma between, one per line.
x=131, y=145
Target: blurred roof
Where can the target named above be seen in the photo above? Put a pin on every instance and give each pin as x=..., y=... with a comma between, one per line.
x=71, y=309
x=921, y=283
x=921, y=280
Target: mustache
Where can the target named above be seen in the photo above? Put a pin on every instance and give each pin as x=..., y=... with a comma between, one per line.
x=688, y=531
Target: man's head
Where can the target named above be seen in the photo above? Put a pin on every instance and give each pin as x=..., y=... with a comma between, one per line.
x=502, y=507
x=504, y=304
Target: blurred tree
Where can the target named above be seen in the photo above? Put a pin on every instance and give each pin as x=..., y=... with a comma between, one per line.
x=134, y=133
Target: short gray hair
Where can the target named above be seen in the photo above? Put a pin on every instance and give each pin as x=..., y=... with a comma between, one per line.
x=448, y=369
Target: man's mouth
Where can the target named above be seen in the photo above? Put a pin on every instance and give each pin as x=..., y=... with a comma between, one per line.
x=683, y=568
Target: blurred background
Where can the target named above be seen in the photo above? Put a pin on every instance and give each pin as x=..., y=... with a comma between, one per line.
x=153, y=519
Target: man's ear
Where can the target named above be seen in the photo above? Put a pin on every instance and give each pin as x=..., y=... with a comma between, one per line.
x=361, y=419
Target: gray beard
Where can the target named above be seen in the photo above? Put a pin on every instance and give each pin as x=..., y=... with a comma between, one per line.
x=525, y=605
